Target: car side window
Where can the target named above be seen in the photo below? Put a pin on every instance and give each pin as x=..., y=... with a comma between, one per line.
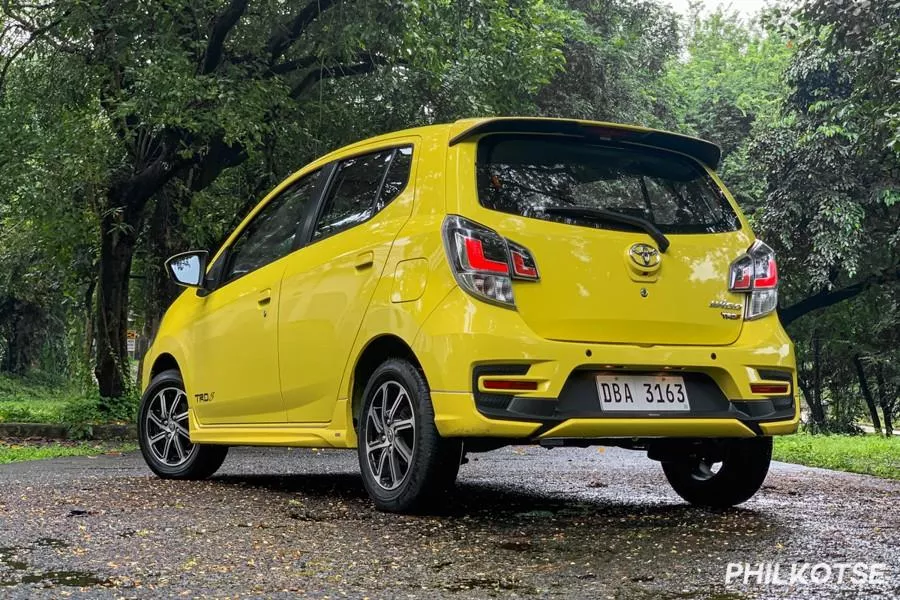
x=397, y=177
x=272, y=232
x=361, y=187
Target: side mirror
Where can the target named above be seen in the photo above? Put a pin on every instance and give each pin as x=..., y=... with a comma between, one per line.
x=188, y=269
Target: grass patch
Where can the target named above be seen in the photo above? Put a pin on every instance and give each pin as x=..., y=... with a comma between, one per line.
x=866, y=454
x=15, y=452
x=38, y=399
x=33, y=399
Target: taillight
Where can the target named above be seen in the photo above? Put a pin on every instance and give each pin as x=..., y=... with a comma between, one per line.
x=757, y=273
x=484, y=262
x=523, y=265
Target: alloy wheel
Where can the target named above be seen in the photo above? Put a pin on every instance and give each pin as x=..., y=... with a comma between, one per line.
x=166, y=427
x=390, y=435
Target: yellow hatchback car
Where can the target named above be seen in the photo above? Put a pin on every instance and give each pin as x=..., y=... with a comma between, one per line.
x=458, y=288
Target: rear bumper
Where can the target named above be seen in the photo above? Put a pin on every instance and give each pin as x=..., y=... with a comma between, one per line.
x=457, y=416
x=465, y=339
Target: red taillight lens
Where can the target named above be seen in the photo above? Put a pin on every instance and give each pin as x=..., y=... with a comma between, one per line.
x=756, y=272
x=484, y=262
x=765, y=271
x=476, y=258
x=523, y=264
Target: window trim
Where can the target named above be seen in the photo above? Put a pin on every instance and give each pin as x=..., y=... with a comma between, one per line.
x=333, y=168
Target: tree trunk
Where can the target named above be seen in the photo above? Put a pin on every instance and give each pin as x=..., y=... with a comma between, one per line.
x=887, y=403
x=116, y=253
x=816, y=411
x=867, y=393
x=89, y=310
x=26, y=325
x=814, y=394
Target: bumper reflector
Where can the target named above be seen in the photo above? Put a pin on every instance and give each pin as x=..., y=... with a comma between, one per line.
x=775, y=389
x=509, y=384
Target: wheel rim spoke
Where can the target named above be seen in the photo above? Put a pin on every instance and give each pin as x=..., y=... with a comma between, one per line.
x=394, y=466
x=403, y=450
x=381, y=460
x=402, y=425
x=178, y=449
x=162, y=404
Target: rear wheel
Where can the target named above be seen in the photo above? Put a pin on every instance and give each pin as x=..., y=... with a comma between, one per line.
x=406, y=465
x=164, y=433
x=731, y=472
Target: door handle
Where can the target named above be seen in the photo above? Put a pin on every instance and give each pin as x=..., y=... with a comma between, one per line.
x=364, y=260
x=264, y=298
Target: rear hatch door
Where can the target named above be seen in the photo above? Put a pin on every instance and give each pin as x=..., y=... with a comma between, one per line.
x=612, y=278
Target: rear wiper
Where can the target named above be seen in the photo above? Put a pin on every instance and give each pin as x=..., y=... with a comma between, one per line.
x=601, y=214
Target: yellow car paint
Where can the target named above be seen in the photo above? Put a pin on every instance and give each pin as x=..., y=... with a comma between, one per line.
x=276, y=351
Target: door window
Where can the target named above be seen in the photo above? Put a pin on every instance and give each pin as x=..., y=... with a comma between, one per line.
x=272, y=232
x=362, y=186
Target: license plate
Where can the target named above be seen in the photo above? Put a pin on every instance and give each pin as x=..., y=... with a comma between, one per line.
x=643, y=393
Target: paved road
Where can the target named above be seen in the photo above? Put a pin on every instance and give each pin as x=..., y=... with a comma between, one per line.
x=566, y=523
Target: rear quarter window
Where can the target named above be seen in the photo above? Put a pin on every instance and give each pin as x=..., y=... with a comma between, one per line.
x=526, y=175
x=361, y=187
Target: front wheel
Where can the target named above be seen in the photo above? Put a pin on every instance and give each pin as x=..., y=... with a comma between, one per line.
x=164, y=433
x=727, y=476
x=406, y=465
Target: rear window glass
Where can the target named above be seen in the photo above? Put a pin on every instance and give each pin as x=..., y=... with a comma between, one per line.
x=527, y=176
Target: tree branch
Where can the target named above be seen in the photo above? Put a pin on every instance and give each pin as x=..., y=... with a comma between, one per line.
x=220, y=30
x=37, y=33
x=288, y=33
x=289, y=66
x=826, y=298
x=366, y=65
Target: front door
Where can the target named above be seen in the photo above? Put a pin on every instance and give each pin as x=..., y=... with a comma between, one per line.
x=235, y=378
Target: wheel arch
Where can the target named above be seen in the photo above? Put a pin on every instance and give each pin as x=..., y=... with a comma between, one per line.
x=164, y=362
x=375, y=352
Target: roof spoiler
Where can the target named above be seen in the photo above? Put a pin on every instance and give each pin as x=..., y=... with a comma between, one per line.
x=706, y=152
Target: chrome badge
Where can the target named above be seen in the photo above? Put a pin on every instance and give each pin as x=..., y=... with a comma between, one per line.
x=644, y=256
x=726, y=305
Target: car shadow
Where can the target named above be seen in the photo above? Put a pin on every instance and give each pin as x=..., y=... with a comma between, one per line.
x=498, y=502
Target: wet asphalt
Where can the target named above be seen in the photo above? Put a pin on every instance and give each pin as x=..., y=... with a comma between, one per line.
x=523, y=523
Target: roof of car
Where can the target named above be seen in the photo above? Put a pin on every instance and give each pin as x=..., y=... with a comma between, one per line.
x=702, y=150
x=465, y=129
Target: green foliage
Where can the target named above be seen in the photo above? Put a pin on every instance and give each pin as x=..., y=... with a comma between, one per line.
x=44, y=399
x=729, y=79
x=614, y=62
x=35, y=451
x=867, y=454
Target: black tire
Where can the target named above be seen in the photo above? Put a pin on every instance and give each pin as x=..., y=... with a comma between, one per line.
x=199, y=461
x=745, y=463
x=434, y=463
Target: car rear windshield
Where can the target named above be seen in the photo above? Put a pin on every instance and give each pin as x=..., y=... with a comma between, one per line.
x=529, y=176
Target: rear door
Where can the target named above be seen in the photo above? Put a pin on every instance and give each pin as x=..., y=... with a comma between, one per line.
x=602, y=280
x=328, y=284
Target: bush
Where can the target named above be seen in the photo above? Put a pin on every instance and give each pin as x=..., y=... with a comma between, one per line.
x=84, y=412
